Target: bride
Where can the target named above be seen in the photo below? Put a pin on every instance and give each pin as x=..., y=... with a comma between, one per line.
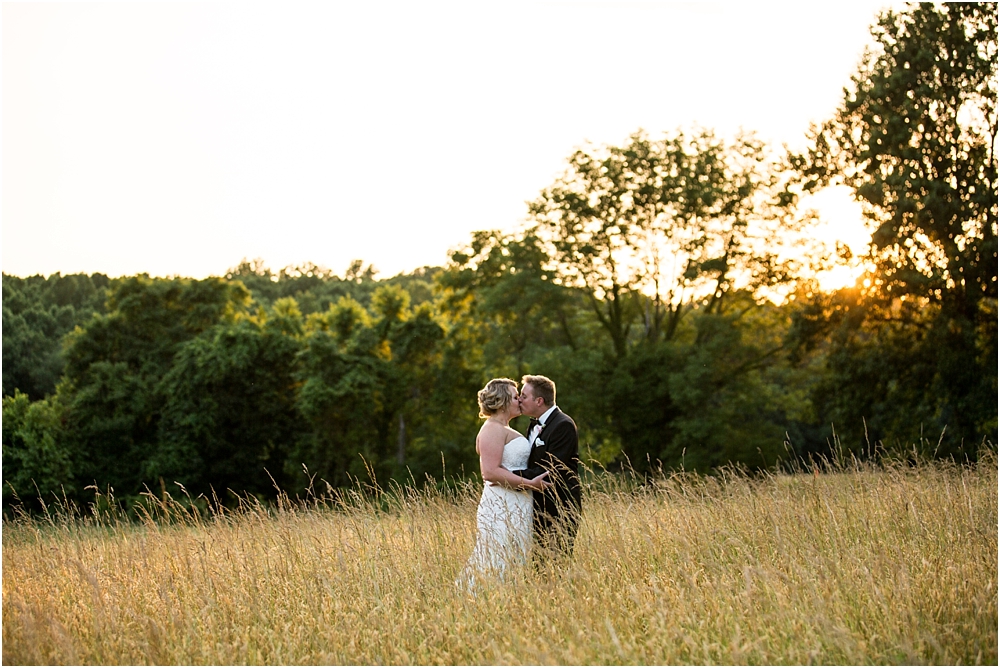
x=503, y=521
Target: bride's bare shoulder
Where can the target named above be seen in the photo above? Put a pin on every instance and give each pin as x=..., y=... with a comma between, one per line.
x=491, y=431
x=489, y=426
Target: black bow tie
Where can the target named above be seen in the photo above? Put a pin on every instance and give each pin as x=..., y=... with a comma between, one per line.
x=532, y=423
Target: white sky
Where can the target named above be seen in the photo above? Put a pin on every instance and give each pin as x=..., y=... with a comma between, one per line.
x=177, y=138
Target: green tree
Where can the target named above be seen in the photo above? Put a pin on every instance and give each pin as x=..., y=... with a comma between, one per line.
x=37, y=313
x=342, y=371
x=37, y=464
x=315, y=288
x=505, y=286
x=915, y=137
x=368, y=386
x=115, y=364
x=229, y=417
x=32, y=360
x=416, y=370
x=651, y=229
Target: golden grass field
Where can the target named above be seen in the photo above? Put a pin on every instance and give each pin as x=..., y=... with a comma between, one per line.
x=852, y=564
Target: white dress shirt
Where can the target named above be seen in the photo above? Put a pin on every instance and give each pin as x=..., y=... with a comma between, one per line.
x=541, y=425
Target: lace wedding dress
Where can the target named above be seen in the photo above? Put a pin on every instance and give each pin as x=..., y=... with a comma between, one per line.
x=503, y=523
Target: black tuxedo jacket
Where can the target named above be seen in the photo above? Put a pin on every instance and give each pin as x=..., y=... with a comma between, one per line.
x=557, y=450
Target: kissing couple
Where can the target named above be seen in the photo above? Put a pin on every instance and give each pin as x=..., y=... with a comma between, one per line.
x=531, y=482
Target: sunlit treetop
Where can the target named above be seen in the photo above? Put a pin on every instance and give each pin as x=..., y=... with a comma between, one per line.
x=915, y=137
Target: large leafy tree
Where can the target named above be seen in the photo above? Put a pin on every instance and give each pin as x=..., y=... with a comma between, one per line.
x=653, y=228
x=316, y=288
x=229, y=417
x=111, y=390
x=506, y=286
x=37, y=313
x=676, y=243
x=367, y=380
x=915, y=137
x=37, y=462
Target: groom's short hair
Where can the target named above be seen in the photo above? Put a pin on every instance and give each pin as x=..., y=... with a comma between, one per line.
x=543, y=387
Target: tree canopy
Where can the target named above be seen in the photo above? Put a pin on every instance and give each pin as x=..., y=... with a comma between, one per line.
x=915, y=137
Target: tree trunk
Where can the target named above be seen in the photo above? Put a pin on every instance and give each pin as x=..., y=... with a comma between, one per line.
x=401, y=441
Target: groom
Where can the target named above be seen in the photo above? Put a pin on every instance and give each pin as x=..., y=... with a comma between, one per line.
x=555, y=448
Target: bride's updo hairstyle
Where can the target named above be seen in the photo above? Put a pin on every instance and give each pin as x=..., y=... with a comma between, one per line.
x=498, y=394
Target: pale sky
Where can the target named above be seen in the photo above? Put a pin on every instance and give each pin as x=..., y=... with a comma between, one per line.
x=178, y=138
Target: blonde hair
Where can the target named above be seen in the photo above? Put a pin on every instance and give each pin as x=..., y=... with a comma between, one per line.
x=498, y=394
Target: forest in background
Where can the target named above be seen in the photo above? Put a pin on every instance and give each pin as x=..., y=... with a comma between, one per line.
x=665, y=285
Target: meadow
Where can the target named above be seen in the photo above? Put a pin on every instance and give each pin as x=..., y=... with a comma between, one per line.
x=848, y=563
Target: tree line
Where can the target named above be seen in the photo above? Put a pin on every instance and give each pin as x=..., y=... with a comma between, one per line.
x=664, y=284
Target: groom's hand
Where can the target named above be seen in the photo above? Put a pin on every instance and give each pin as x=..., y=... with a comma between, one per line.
x=530, y=473
x=539, y=483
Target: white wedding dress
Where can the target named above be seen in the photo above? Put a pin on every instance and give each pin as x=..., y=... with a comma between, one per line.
x=503, y=523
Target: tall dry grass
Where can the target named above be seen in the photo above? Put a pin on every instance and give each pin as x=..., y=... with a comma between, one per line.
x=855, y=564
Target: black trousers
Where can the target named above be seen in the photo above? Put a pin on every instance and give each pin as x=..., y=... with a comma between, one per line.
x=555, y=533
